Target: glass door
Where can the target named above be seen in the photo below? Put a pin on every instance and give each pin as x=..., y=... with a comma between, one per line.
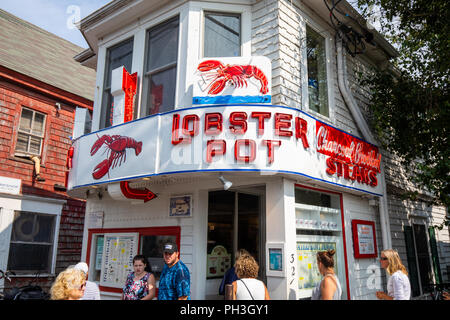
x=234, y=223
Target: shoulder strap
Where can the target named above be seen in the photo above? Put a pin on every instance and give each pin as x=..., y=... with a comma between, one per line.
x=248, y=290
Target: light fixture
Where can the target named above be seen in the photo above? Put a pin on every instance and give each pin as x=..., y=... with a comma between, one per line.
x=226, y=184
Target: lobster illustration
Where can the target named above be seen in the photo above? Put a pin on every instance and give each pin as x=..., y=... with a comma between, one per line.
x=236, y=74
x=116, y=146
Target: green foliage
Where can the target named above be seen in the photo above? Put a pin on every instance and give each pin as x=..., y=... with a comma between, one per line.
x=411, y=108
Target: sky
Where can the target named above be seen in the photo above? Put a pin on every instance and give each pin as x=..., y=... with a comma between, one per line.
x=55, y=16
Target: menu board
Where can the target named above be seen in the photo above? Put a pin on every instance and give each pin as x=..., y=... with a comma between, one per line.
x=365, y=239
x=119, y=250
x=308, y=271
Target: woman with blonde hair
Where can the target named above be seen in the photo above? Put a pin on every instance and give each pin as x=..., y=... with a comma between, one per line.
x=69, y=285
x=329, y=288
x=247, y=287
x=398, y=286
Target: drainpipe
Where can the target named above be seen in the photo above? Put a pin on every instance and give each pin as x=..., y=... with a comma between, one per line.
x=362, y=125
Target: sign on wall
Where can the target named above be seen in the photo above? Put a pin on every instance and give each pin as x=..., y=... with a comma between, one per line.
x=262, y=138
x=232, y=80
x=364, y=239
x=10, y=185
x=119, y=250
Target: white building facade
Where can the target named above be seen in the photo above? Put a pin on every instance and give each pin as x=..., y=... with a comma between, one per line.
x=256, y=93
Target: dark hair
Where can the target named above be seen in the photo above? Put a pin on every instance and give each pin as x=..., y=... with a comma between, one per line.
x=144, y=260
x=326, y=258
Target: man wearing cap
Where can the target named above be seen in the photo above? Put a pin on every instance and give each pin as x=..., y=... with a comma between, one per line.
x=92, y=292
x=175, y=280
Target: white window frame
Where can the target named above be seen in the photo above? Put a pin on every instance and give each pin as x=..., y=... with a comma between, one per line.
x=144, y=91
x=27, y=153
x=37, y=205
x=246, y=24
x=329, y=45
x=190, y=48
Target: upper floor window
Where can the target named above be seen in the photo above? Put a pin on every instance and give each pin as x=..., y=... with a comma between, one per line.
x=161, y=68
x=317, y=72
x=31, y=133
x=116, y=56
x=222, y=35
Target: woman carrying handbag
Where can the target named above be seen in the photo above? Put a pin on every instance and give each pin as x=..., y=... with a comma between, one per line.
x=248, y=287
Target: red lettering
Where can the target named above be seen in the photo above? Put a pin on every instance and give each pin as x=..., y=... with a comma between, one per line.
x=261, y=116
x=213, y=120
x=331, y=166
x=365, y=175
x=175, y=126
x=195, y=123
x=356, y=175
x=238, y=119
x=347, y=172
x=270, y=148
x=237, y=148
x=281, y=123
x=373, y=178
x=301, y=128
x=339, y=168
x=215, y=147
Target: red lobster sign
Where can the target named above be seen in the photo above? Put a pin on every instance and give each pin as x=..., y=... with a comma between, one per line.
x=116, y=146
x=231, y=73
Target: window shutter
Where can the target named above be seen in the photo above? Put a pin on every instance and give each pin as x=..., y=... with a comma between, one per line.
x=435, y=255
x=412, y=265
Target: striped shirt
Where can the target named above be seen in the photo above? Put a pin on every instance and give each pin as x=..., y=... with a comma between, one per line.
x=91, y=292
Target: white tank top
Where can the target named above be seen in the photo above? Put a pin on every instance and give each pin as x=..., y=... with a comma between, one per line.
x=255, y=286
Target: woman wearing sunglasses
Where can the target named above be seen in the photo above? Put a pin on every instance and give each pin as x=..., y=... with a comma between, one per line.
x=69, y=285
x=398, y=286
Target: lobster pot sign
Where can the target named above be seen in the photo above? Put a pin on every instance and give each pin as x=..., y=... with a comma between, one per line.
x=115, y=154
x=253, y=138
x=232, y=80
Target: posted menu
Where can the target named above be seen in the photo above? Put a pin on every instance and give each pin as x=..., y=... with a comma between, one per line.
x=118, y=252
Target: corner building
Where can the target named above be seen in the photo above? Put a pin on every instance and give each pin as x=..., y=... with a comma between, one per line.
x=228, y=125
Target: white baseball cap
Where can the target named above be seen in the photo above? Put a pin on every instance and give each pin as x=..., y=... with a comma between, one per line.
x=82, y=266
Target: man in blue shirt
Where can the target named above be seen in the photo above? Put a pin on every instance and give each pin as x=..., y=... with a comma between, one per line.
x=175, y=280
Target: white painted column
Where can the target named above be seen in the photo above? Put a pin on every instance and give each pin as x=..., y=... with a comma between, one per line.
x=280, y=228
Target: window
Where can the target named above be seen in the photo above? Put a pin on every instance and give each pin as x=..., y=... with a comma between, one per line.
x=119, y=55
x=150, y=243
x=32, y=240
x=318, y=223
x=418, y=257
x=31, y=133
x=222, y=35
x=317, y=72
x=161, y=68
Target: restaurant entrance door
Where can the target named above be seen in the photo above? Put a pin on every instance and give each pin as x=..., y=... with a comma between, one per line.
x=235, y=221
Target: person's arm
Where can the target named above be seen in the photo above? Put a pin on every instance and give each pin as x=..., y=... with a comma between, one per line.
x=182, y=298
x=383, y=296
x=234, y=289
x=151, y=284
x=328, y=288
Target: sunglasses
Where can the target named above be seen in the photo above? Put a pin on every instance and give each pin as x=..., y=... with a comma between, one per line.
x=383, y=258
x=83, y=286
